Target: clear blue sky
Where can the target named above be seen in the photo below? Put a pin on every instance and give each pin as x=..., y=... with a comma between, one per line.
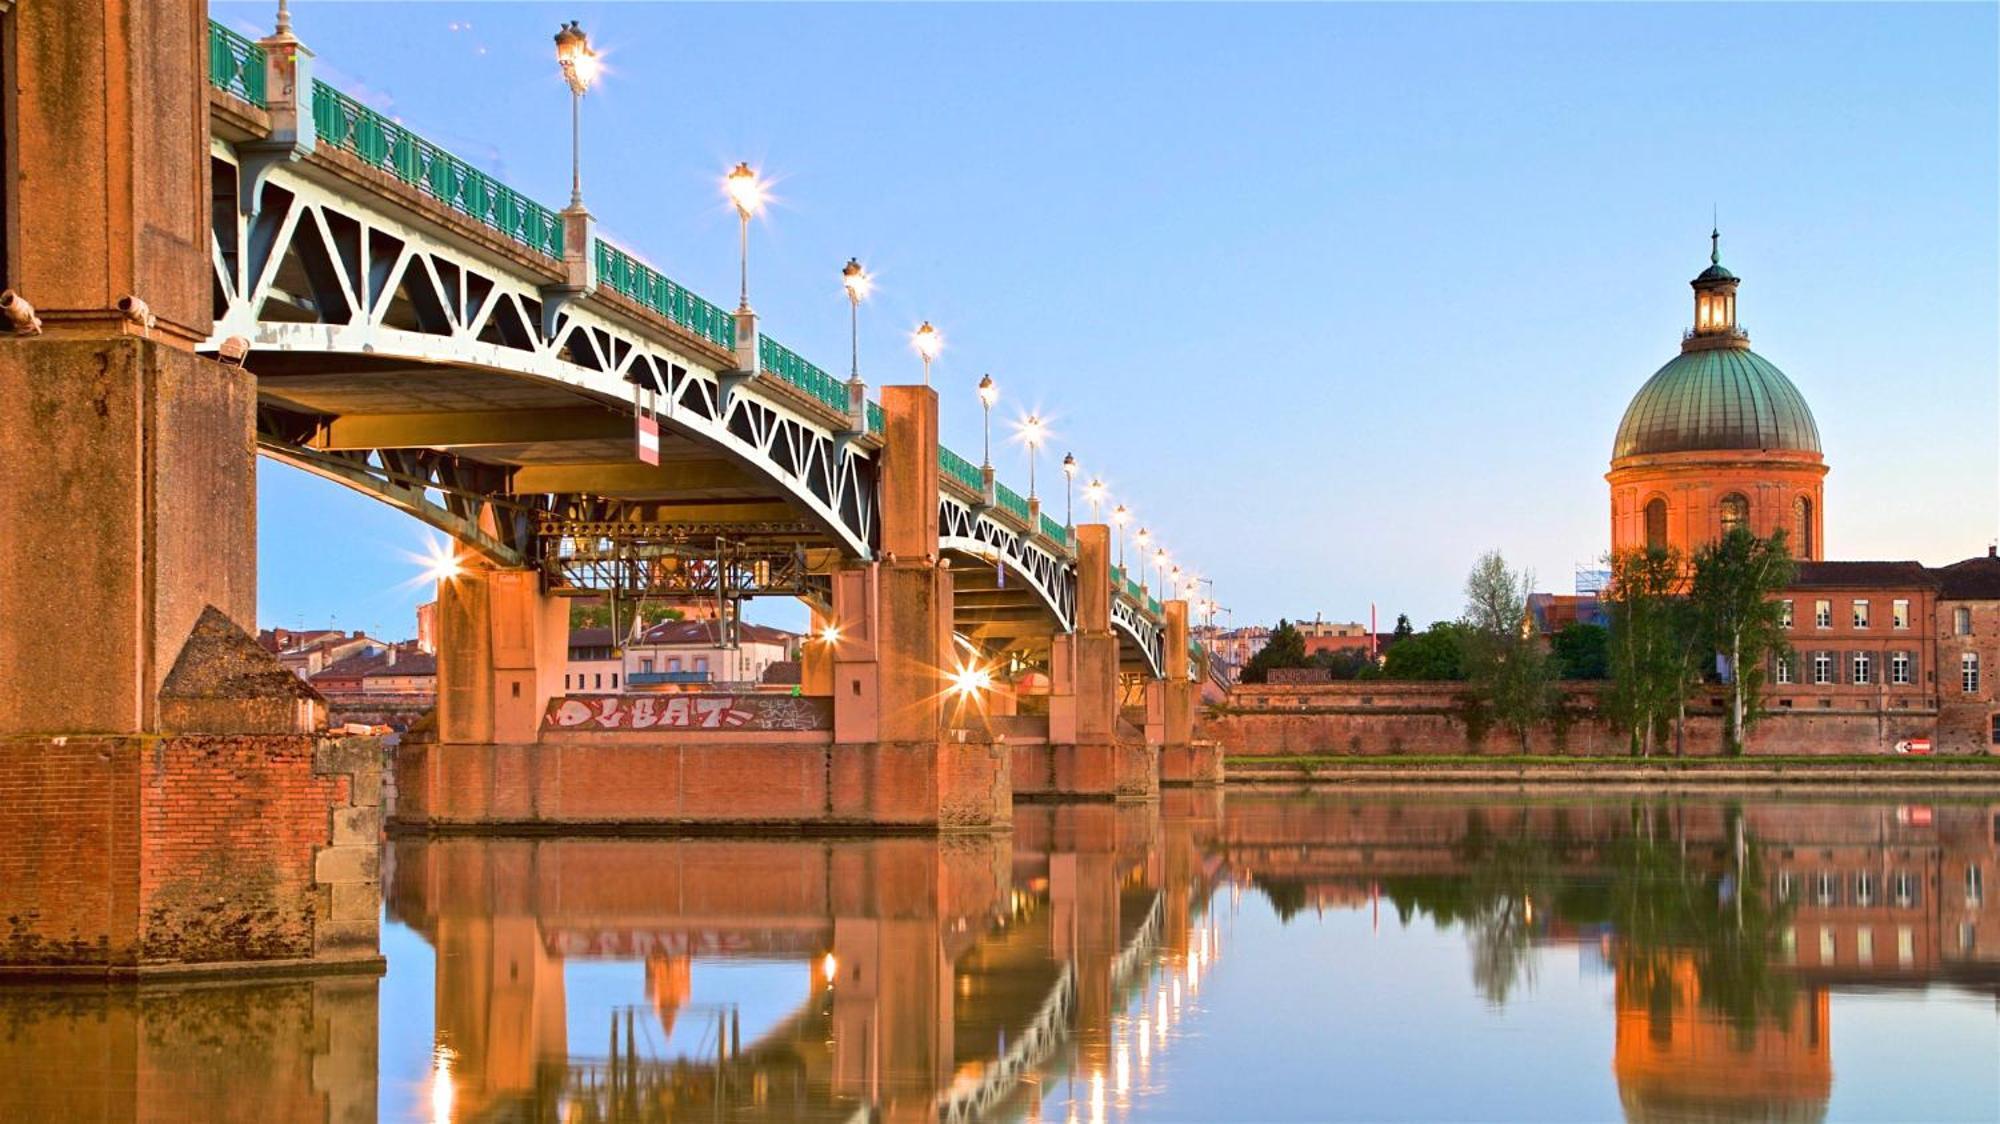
x=1336, y=297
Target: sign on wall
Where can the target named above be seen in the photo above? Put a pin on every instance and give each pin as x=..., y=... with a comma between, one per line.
x=689, y=712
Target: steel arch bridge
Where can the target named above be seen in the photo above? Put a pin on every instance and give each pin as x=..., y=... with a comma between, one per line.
x=418, y=336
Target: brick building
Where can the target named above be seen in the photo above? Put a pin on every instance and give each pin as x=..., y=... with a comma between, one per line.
x=1968, y=648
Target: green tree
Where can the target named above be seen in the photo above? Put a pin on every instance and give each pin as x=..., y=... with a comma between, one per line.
x=1582, y=651
x=1736, y=580
x=1285, y=648
x=1647, y=673
x=1436, y=653
x=1344, y=663
x=1403, y=630
x=1506, y=662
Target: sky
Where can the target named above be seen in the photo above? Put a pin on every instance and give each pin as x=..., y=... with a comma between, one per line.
x=1335, y=297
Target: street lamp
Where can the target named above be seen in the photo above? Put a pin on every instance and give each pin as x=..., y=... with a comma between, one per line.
x=1121, y=517
x=1069, y=491
x=579, y=69
x=1142, y=538
x=928, y=343
x=1093, y=494
x=746, y=191
x=1159, y=567
x=1032, y=432
x=856, y=281
x=989, y=393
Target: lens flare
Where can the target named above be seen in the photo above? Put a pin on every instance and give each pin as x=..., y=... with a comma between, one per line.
x=745, y=190
x=442, y=1092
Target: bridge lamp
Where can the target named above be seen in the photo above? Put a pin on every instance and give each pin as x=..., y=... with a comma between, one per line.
x=1093, y=494
x=746, y=193
x=1121, y=517
x=856, y=281
x=928, y=342
x=989, y=393
x=830, y=635
x=1159, y=564
x=1033, y=431
x=579, y=69
x=1069, y=490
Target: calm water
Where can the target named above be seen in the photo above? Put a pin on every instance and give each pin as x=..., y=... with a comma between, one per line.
x=1239, y=956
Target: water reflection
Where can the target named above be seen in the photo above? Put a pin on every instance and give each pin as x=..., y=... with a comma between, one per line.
x=1201, y=958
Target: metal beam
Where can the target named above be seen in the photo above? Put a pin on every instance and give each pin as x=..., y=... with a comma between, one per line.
x=631, y=478
x=470, y=429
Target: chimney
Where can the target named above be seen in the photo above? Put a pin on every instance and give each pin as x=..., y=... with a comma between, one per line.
x=392, y=656
x=1993, y=549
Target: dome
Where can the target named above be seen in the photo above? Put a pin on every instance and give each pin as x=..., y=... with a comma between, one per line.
x=1720, y=398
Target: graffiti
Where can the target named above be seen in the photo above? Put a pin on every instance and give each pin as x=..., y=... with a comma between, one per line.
x=689, y=712
x=635, y=944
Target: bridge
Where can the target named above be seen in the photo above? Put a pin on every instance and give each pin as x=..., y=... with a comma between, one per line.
x=279, y=270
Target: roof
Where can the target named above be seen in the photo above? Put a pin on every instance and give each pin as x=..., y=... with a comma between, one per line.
x=590, y=638
x=409, y=661
x=1721, y=398
x=672, y=633
x=1862, y=575
x=1714, y=273
x=1975, y=579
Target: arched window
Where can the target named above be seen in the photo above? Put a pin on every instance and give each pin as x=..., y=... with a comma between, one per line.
x=1802, y=528
x=1656, y=523
x=1735, y=512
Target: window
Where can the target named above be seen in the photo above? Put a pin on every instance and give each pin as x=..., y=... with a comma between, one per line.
x=1899, y=613
x=1975, y=884
x=1863, y=668
x=1822, y=668
x=1802, y=528
x=1906, y=945
x=1735, y=512
x=1785, y=612
x=1861, y=614
x=1899, y=668
x=1781, y=670
x=1788, y=886
x=646, y=666
x=1864, y=945
x=1865, y=889
x=1961, y=622
x=1968, y=673
x=1968, y=936
x=565, y=681
x=1788, y=945
x=599, y=679
x=1903, y=889
x=1826, y=944
x=614, y=680
x=1656, y=522
x=1822, y=614
x=1826, y=888
x=701, y=664
x=673, y=664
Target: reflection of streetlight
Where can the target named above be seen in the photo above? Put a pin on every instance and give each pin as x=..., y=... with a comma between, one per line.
x=746, y=192
x=1093, y=494
x=856, y=281
x=928, y=343
x=579, y=69
x=828, y=967
x=989, y=393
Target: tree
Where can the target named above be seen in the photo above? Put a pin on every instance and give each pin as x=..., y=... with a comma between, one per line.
x=1344, y=663
x=1436, y=653
x=1403, y=630
x=1581, y=651
x=1647, y=673
x=1506, y=662
x=1285, y=648
x=1736, y=580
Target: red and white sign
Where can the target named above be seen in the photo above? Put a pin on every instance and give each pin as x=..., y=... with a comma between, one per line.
x=649, y=440
x=690, y=712
x=1920, y=747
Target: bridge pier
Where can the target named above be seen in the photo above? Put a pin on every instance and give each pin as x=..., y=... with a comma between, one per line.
x=1182, y=759
x=172, y=801
x=1084, y=757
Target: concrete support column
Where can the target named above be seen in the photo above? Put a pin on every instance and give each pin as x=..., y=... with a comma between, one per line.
x=816, y=657
x=1083, y=757
x=502, y=647
x=1182, y=759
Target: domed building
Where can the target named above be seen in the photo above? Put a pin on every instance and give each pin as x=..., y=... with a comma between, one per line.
x=1716, y=439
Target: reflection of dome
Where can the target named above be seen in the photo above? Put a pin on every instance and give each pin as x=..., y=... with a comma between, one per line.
x=1716, y=399
x=1676, y=1061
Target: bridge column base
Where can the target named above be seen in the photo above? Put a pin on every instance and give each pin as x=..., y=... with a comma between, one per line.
x=942, y=784
x=1121, y=770
x=1197, y=763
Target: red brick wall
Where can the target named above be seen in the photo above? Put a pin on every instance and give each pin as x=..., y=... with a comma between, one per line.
x=1426, y=718
x=123, y=851
x=1965, y=720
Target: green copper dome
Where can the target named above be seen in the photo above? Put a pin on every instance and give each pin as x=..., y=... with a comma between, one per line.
x=1716, y=398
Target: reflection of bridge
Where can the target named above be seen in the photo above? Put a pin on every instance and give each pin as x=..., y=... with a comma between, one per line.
x=939, y=974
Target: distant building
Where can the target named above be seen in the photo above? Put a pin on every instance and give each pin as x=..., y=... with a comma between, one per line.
x=679, y=655
x=401, y=671
x=308, y=652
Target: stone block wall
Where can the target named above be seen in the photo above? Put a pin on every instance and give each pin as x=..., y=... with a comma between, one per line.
x=135, y=854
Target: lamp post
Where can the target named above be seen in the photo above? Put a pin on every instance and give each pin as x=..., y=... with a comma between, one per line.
x=1142, y=538
x=579, y=69
x=1069, y=491
x=746, y=192
x=989, y=393
x=855, y=280
x=1093, y=494
x=1032, y=432
x=928, y=343
x=1159, y=567
x=1121, y=517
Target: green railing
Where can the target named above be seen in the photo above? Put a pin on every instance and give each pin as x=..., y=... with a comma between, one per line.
x=790, y=366
x=1153, y=603
x=380, y=143
x=1055, y=530
x=1136, y=591
x=623, y=273
x=235, y=64
x=959, y=469
x=876, y=422
x=1010, y=500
